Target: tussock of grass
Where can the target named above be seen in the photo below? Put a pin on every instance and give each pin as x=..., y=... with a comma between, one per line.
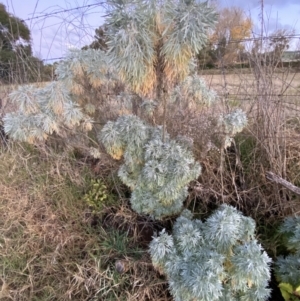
x=49, y=249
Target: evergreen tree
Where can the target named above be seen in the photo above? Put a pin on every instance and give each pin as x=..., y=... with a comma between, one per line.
x=12, y=30
x=17, y=64
x=101, y=39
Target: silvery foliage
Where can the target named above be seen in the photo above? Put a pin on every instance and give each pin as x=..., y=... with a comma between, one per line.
x=157, y=172
x=191, y=22
x=232, y=124
x=130, y=44
x=43, y=111
x=287, y=268
x=148, y=106
x=136, y=27
x=194, y=89
x=90, y=63
x=218, y=259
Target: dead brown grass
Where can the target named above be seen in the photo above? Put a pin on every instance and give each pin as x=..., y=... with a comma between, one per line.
x=269, y=143
x=53, y=248
x=243, y=84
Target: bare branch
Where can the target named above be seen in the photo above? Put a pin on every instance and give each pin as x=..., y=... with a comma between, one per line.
x=276, y=179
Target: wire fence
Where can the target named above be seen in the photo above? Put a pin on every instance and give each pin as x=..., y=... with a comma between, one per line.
x=255, y=38
x=21, y=65
x=232, y=41
x=47, y=15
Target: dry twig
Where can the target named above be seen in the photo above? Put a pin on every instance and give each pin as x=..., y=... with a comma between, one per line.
x=276, y=179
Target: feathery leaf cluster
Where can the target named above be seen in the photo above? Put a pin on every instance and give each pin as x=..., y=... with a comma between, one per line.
x=130, y=41
x=187, y=24
x=218, y=259
x=288, y=268
x=233, y=123
x=43, y=111
x=91, y=63
x=157, y=172
x=194, y=88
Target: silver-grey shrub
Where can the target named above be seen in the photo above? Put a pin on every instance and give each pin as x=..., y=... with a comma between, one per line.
x=42, y=112
x=287, y=268
x=157, y=172
x=218, y=259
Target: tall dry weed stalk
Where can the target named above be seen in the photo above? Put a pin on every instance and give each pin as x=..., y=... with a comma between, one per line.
x=267, y=90
x=271, y=83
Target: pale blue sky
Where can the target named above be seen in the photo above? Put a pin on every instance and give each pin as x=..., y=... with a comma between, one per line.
x=53, y=35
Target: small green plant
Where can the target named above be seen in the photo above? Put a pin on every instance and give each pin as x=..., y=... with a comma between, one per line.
x=287, y=268
x=215, y=260
x=98, y=195
x=118, y=244
x=289, y=292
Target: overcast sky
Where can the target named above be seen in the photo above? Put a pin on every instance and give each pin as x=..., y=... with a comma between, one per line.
x=52, y=36
x=278, y=14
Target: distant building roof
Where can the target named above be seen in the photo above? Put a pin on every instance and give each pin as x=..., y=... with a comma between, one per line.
x=288, y=56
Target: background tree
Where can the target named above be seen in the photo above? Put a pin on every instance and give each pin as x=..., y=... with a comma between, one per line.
x=17, y=62
x=12, y=29
x=232, y=27
x=207, y=57
x=278, y=43
x=100, y=39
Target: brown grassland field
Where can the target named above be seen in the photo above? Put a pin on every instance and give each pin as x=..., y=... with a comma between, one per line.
x=55, y=246
x=241, y=82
